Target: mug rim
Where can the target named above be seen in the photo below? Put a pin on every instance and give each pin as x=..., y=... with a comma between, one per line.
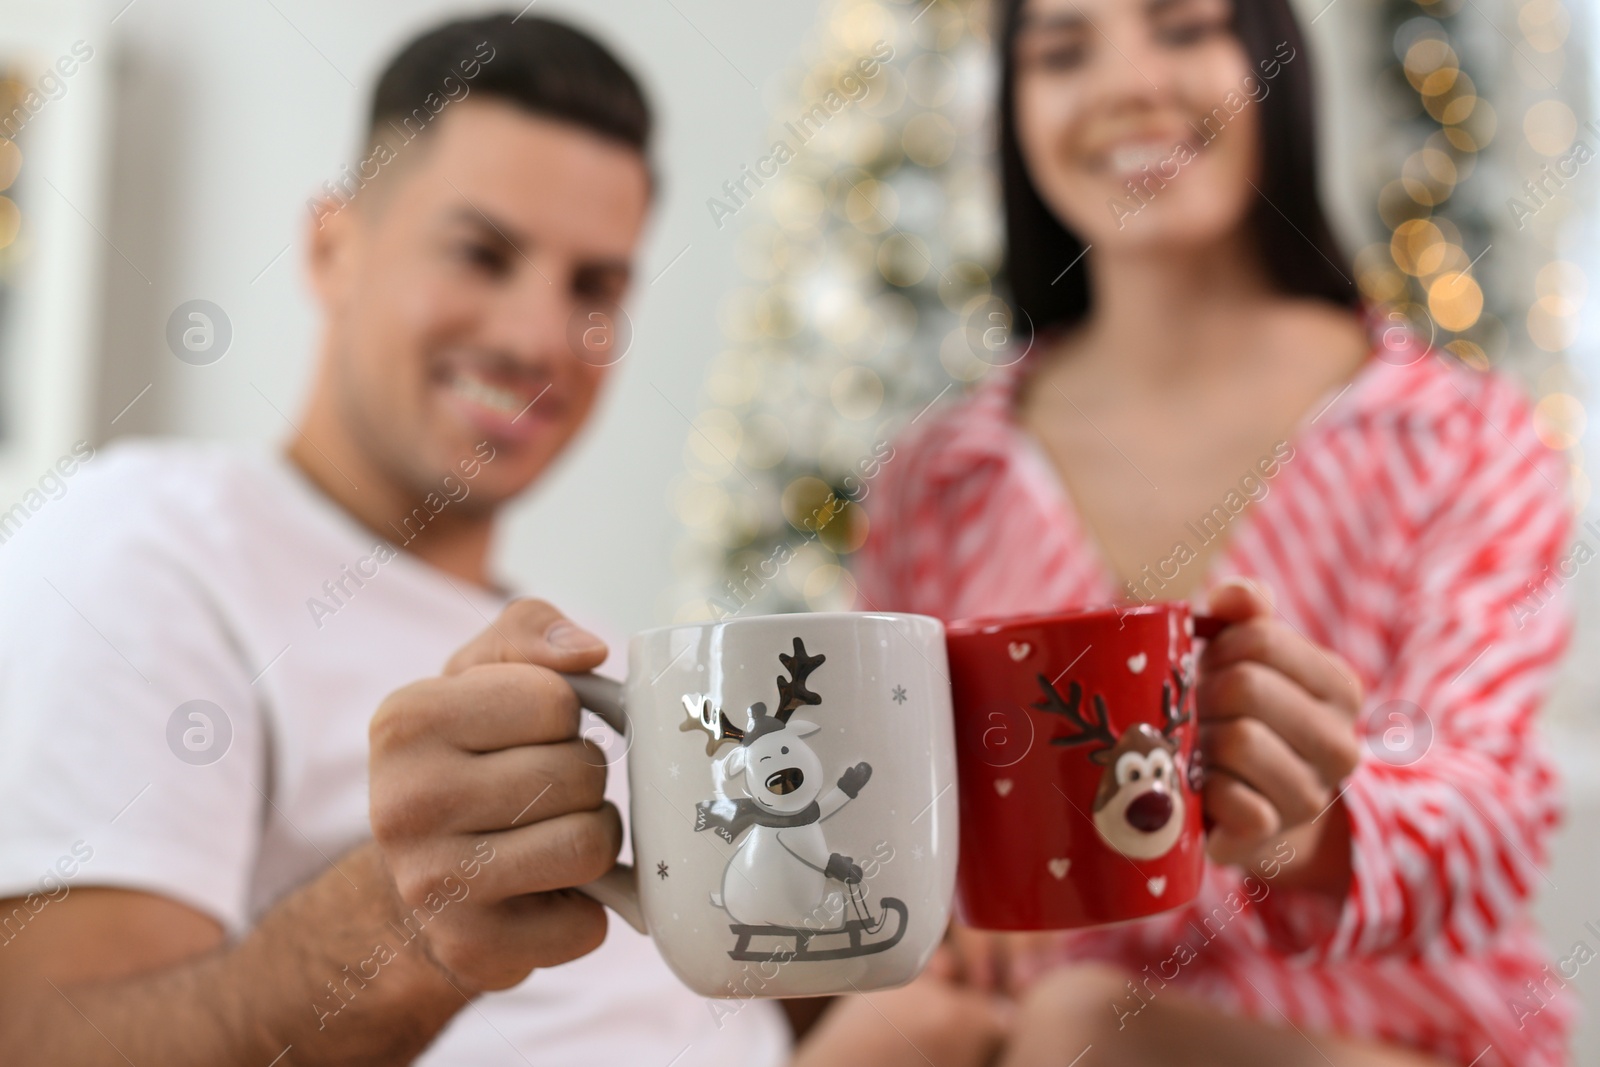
x=819, y=615
x=992, y=624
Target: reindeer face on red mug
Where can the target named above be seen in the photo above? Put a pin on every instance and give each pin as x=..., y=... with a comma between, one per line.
x=1139, y=803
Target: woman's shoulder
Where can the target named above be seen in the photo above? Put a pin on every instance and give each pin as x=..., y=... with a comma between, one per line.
x=1448, y=431
x=1413, y=387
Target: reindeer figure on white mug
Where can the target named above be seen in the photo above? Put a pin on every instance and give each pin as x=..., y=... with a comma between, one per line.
x=778, y=876
x=777, y=880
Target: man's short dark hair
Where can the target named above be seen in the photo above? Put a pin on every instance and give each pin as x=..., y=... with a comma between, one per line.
x=544, y=67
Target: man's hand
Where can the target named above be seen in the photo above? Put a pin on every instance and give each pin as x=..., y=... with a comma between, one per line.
x=1277, y=729
x=484, y=766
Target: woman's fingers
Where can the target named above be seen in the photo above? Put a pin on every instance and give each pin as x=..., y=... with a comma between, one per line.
x=1270, y=642
x=1242, y=818
x=1277, y=725
x=977, y=957
x=1251, y=752
x=925, y=1022
x=1029, y=957
x=1256, y=633
x=1002, y=962
x=944, y=965
x=1315, y=732
x=1238, y=598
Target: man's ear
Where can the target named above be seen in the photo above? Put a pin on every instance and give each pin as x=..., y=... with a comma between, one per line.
x=331, y=235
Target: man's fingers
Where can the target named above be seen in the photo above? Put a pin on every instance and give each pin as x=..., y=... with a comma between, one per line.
x=479, y=793
x=520, y=785
x=482, y=709
x=488, y=808
x=1323, y=674
x=568, y=850
x=531, y=632
x=553, y=928
x=1250, y=751
x=527, y=932
x=1251, y=690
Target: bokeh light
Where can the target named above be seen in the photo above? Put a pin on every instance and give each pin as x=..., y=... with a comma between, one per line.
x=10, y=162
x=1550, y=127
x=857, y=393
x=1455, y=301
x=10, y=221
x=1544, y=23
x=1559, y=420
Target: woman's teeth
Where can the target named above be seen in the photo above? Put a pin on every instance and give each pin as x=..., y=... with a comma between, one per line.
x=1127, y=159
x=493, y=397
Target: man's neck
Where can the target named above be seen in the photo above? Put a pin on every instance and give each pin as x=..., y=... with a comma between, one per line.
x=454, y=541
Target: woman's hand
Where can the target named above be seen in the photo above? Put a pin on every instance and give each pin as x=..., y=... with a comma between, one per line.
x=1278, y=737
x=933, y=1020
x=1007, y=963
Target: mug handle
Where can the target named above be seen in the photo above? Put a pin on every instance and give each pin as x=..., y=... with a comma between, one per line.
x=618, y=888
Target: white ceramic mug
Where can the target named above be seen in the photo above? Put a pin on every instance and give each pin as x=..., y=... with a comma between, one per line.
x=793, y=799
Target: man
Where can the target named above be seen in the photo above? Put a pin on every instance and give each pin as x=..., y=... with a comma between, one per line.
x=193, y=643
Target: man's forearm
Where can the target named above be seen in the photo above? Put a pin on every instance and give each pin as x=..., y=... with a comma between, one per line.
x=333, y=974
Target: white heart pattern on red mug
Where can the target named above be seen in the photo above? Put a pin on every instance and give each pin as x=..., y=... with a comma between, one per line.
x=1002, y=786
x=1157, y=885
x=1059, y=867
x=1136, y=664
x=1019, y=650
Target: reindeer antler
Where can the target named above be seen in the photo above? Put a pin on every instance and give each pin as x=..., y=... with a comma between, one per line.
x=713, y=720
x=792, y=691
x=1172, y=713
x=1097, y=731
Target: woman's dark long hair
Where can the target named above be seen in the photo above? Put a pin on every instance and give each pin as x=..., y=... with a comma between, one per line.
x=1296, y=243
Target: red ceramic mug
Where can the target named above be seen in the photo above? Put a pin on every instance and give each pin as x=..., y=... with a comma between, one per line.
x=1076, y=747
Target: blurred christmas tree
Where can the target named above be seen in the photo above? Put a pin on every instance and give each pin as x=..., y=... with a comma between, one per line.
x=1482, y=154
x=870, y=251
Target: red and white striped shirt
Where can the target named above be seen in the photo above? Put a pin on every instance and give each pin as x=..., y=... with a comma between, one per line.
x=1414, y=531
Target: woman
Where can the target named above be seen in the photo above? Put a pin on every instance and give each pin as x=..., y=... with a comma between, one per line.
x=1370, y=709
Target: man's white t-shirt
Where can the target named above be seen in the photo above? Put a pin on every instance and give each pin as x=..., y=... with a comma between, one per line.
x=174, y=573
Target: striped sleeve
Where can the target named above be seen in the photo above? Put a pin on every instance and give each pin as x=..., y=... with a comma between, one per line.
x=1453, y=804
